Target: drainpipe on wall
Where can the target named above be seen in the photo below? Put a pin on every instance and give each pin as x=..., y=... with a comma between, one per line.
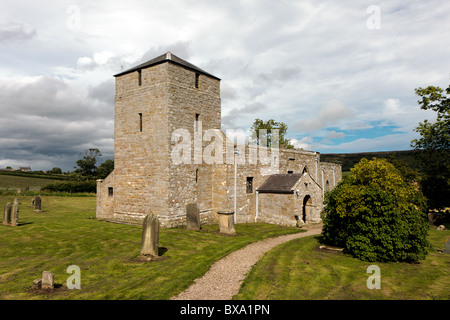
x=256, y=216
x=235, y=180
x=323, y=185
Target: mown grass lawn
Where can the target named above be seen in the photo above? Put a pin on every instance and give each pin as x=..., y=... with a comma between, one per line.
x=298, y=270
x=63, y=235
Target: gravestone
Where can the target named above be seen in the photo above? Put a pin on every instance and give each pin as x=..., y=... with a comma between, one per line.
x=447, y=245
x=150, y=236
x=37, y=203
x=226, y=222
x=7, y=214
x=192, y=217
x=15, y=213
x=48, y=279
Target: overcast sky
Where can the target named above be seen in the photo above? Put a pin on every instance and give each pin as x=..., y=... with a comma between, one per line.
x=340, y=74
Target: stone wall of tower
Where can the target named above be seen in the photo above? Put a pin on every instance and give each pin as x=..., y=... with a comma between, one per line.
x=191, y=182
x=141, y=137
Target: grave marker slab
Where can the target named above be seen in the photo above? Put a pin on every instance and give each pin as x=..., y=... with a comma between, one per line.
x=226, y=222
x=7, y=214
x=150, y=236
x=48, y=280
x=15, y=213
x=192, y=217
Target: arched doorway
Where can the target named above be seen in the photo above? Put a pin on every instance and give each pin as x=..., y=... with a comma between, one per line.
x=307, y=208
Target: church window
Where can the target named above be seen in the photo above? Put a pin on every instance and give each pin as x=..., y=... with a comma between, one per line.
x=249, y=184
x=139, y=77
x=197, y=76
x=110, y=191
x=140, y=122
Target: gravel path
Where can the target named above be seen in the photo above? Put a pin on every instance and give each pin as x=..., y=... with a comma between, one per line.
x=224, y=278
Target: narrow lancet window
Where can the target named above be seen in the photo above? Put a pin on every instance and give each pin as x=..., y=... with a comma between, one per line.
x=197, y=76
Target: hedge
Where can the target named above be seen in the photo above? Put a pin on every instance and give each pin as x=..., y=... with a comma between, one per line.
x=72, y=187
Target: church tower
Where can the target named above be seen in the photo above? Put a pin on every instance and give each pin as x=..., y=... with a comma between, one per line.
x=152, y=101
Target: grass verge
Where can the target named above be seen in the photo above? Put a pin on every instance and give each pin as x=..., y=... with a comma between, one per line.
x=299, y=270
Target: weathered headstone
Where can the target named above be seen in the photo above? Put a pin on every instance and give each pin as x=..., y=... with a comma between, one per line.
x=15, y=213
x=431, y=218
x=37, y=203
x=226, y=222
x=150, y=236
x=7, y=214
x=192, y=217
x=48, y=279
x=447, y=245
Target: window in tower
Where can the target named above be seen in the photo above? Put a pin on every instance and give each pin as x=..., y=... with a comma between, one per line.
x=197, y=76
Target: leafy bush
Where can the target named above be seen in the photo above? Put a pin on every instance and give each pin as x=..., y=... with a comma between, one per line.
x=377, y=216
x=72, y=187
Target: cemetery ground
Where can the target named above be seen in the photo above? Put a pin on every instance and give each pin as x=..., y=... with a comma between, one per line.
x=65, y=234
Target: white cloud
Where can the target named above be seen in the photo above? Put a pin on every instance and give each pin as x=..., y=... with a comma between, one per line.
x=330, y=115
x=303, y=143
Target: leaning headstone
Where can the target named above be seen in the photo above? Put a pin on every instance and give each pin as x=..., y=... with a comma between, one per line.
x=150, y=236
x=37, y=203
x=192, y=217
x=15, y=213
x=48, y=279
x=7, y=214
x=226, y=222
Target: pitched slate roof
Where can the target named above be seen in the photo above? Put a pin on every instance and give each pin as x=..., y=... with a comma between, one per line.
x=280, y=183
x=167, y=57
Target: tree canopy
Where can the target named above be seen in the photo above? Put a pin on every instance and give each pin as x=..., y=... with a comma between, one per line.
x=262, y=133
x=434, y=144
x=87, y=168
x=375, y=215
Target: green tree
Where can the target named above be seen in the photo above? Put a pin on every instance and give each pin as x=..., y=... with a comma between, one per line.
x=86, y=166
x=375, y=215
x=263, y=132
x=434, y=146
x=105, y=169
x=56, y=171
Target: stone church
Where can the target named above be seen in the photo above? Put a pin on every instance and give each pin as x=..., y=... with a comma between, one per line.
x=171, y=153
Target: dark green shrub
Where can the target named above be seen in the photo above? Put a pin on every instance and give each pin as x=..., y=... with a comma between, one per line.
x=376, y=216
x=72, y=187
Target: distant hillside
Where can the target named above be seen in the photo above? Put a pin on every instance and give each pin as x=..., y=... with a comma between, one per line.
x=348, y=160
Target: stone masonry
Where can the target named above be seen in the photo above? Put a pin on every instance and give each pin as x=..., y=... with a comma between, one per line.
x=160, y=103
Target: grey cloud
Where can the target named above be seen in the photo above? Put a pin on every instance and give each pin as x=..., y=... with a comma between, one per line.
x=103, y=91
x=51, y=119
x=281, y=74
x=239, y=113
x=16, y=31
